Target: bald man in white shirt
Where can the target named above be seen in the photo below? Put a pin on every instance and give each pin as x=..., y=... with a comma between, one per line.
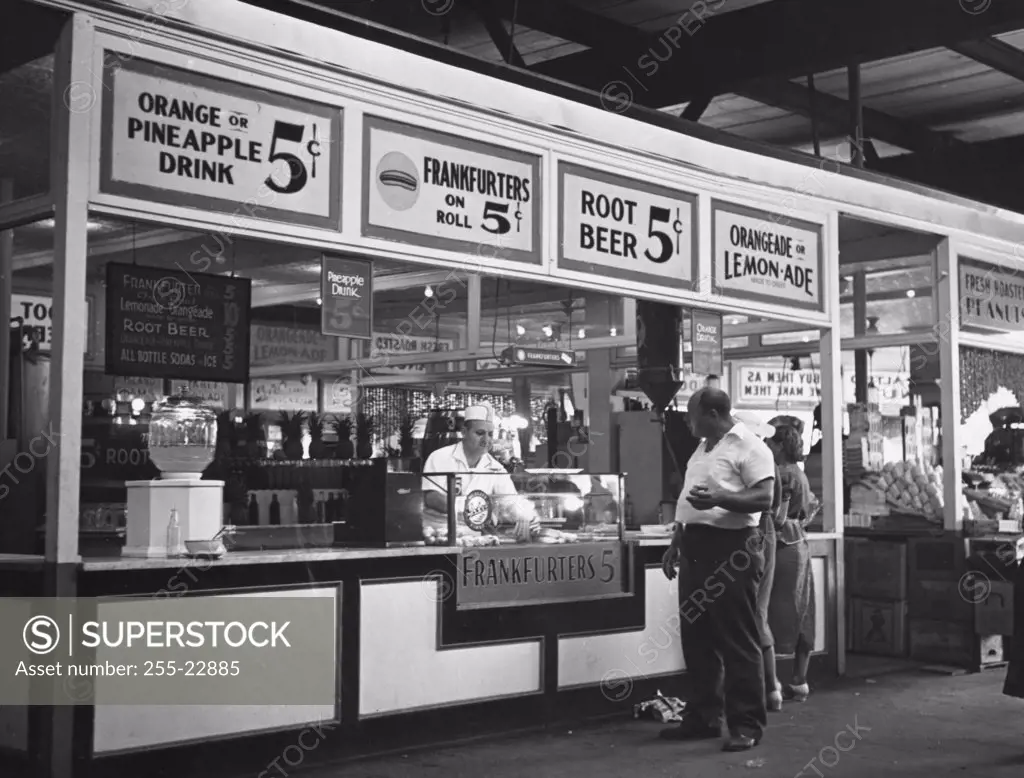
x=729, y=483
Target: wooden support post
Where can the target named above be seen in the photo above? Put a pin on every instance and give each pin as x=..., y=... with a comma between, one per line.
x=947, y=311
x=856, y=117
x=832, y=441
x=55, y=743
x=6, y=287
x=860, y=323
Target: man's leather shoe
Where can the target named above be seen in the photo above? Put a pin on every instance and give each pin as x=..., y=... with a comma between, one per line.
x=691, y=728
x=740, y=743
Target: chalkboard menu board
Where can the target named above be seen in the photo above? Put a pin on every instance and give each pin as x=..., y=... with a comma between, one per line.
x=173, y=324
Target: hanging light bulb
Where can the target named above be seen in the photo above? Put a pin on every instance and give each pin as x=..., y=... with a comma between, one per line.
x=319, y=301
x=428, y=291
x=581, y=334
x=520, y=330
x=614, y=331
x=911, y=293
x=547, y=330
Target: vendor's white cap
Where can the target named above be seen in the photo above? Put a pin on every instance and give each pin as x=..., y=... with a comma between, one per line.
x=479, y=413
x=760, y=428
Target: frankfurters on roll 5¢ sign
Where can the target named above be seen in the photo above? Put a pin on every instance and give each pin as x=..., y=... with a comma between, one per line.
x=442, y=191
x=768, y=257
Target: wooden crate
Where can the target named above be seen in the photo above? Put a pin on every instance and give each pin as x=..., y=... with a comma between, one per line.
x=876, y=569
x=994, y=614
x=940, y=600
x=936, y=557
x=944, y=642
x=877, y=627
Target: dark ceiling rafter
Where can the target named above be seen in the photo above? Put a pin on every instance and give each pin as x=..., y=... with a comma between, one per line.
x=696, y=108
x=788, y=39
x=995, y=54
x=572, y=23
x=835, y=112
x=27, y=33
x=496, y=29
x=979, y=170
x=600, y=33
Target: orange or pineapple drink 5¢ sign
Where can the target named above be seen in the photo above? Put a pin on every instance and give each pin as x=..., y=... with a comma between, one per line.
x=177, y=137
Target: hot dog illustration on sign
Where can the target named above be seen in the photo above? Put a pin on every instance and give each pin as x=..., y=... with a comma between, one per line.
x=451, y=192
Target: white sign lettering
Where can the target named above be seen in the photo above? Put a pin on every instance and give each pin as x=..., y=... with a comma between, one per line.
x=280, y=345
x=221, y=141
x=760, y=256
x=283, y=395
x=211, y=393
x=991, y=297
x=450, y=193
x=765, y=386
x=624, y=228
x=35, y=311
x=394, y=343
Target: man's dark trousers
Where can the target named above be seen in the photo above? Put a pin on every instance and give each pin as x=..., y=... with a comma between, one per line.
x=718, y=579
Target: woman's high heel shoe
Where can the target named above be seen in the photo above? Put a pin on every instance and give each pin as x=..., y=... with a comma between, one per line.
x=774, y=699
x=797, y=692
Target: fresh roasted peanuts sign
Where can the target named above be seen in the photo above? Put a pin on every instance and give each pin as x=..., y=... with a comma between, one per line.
x=446, y=192
x=757, y=255
x=626, y=229
x=179, y=138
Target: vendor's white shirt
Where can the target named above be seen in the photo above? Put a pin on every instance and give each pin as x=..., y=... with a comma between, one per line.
x=489, y=476
x=740, y=461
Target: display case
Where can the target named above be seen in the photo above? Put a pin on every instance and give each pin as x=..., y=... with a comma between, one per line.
x=540, y=507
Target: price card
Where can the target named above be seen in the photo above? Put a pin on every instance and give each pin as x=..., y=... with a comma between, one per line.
x=618, y=227
x=176, y=137
x=447, y=192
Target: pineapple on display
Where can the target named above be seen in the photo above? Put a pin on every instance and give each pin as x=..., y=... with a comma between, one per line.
x=913, y=488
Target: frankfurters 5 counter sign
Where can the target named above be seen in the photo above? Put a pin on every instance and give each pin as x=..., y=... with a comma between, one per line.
x=768, y=257
x=442, y=191
x=175, y=137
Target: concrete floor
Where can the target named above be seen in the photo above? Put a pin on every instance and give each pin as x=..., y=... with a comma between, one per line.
x=911, y=725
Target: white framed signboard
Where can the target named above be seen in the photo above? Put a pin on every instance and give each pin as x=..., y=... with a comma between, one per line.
x=176, y=137
x=441, y=191
x=991, y=297
x=767, y=257
x=623, y=228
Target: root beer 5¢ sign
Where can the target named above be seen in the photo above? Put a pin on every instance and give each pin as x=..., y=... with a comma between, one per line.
x=176, y=137
x=626, y=229
x=446, y=192
x=757, y=255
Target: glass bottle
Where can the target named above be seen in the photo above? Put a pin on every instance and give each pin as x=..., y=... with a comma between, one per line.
x=173, y=535
x=275, y=510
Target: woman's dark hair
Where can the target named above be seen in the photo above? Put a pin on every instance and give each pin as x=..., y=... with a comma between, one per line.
x=790, y=443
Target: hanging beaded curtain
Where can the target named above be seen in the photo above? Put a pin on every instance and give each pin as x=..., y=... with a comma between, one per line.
x=982, y=372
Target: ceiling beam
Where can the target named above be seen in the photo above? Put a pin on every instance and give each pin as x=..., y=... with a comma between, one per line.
x=696, y=108
x=780, y=39
x=981, y=171
x=994, y=54
x=835, y=111
x=572, y=23
x=495, y=27
x=27, y=33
